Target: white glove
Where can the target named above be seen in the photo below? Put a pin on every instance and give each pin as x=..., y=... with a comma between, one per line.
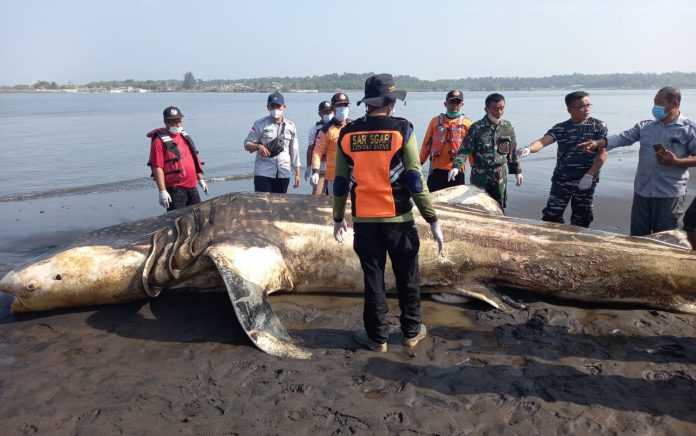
x=314, y=179
x=519, y=179
x=339, y=230
x=204, y=186
x=585, y=183
x=165, y=199
x=437, y=235
x=523, y=152
x=452, y=174
x=307, y=173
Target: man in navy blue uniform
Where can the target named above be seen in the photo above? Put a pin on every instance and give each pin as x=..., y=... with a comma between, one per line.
x=577, y=171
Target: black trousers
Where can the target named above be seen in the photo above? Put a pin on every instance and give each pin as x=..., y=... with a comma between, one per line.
x=372, y=242
x=438, y=180
x=271, y=184
x=182, y=197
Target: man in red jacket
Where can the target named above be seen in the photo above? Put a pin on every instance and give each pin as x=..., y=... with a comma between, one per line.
x=175, y=164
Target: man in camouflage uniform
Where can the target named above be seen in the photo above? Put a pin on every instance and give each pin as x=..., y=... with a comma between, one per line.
x=491, y=140
x=577, y=171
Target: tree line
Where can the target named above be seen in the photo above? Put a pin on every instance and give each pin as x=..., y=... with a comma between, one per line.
x=355, y=81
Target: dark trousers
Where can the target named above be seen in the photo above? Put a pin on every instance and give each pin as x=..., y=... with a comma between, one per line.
x=182, y=197
x=580, y=203
x=271, y=184
x=372, y=242
x=653, y=215
x=690, y=218
x=438, y=180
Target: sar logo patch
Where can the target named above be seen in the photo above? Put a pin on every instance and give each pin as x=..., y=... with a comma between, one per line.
x=371, y=142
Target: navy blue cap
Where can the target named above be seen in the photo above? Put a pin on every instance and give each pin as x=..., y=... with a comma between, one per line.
x=172, y=112
x=276, y=98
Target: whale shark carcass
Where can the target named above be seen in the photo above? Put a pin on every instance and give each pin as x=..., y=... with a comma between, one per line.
x=254, y=244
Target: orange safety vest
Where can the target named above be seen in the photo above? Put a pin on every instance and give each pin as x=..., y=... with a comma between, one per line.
x=374, y=147
x=444, y=133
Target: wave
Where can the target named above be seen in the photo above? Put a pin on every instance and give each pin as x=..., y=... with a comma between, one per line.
x=118, y=186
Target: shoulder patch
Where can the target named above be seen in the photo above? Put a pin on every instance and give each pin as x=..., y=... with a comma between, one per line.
x=690, y=122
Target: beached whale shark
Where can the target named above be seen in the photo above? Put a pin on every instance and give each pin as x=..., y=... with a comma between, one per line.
x=254, y=244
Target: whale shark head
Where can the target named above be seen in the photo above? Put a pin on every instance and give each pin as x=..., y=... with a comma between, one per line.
x=86, y=275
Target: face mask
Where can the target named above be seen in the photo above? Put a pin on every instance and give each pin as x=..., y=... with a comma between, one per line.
x=175, y=130
x=276, y=113
x=493, y=119
x=326, y=118
x=392, y=110
x=453, y=114
x=659, y=112
x=342, y=113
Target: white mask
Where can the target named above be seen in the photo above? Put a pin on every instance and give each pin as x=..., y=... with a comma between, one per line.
x=493, y=119
x=342, y=113
x=175, y=130
x=276, y=113
x=326, y=118
x=393, y=110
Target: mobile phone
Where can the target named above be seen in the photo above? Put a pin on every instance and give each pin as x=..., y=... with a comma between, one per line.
x=659, y=148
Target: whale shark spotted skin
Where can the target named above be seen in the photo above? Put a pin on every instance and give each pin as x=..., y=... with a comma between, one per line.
x=253, y=244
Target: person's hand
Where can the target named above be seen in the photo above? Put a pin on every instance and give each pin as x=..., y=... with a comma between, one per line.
x=314, y=179
x=590, y=145
x=165, y=199
x=523, y=152
x=307, y=173
x=339, y=230
x=297, y=180
x=667, y=158
x=437, y=235
x=519, y=179
x=204, y=186
x=586, y=182
x=452, y=174
x=262, y=150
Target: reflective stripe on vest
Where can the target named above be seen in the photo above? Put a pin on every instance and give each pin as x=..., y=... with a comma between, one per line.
x=444, y=133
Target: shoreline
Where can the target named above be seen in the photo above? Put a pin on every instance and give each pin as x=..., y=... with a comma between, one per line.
x=180, y=363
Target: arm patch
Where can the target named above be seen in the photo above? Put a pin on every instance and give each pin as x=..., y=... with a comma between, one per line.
x=340, y=186
x=413, y=181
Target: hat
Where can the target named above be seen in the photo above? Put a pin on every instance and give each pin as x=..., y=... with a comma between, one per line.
x=455, y=93
x=380, y=90
x=324, y=105
x=276, y=98
x=172, y=112
x=339, y=97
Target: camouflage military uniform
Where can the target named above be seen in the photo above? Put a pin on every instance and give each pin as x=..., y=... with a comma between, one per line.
x=572, y=163
x=492, y=145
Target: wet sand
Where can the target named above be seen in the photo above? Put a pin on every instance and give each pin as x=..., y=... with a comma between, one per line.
x=181, y=364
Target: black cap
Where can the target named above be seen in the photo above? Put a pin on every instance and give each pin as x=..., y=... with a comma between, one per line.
x=276, y=98
x=339, y=97
x=380, y=90
x=172, y=112
x=324, y=105
x=455, y=93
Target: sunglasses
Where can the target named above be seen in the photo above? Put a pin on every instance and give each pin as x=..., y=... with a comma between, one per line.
x=455, y=101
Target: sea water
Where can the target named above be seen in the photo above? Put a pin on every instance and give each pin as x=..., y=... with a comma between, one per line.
x=63, y=143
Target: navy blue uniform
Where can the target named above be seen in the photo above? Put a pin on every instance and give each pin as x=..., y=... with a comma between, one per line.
x=572, y=163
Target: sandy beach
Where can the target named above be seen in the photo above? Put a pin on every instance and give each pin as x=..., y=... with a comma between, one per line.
x=180, y=363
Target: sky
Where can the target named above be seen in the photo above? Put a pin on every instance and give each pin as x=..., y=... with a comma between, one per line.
x=81, y=41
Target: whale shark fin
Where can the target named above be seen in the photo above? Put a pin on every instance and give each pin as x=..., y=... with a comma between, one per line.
x=478, y=291
x=248, y=272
